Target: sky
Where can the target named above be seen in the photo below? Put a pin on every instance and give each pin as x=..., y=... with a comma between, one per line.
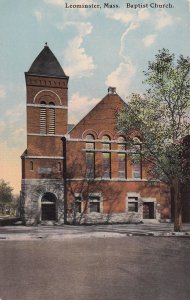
x=97, y=48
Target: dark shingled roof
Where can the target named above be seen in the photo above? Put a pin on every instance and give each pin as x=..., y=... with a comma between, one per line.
x=70, y=127
x=46, y=64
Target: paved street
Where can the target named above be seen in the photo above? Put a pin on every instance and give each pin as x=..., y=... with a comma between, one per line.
x=122, y=268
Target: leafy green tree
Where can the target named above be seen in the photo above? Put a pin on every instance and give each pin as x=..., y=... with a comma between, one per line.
x=6, y=196
x=161, y=116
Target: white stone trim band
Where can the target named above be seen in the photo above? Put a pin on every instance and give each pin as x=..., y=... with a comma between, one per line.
x=108, y=179
x=46, y=105
x=44, y=157
x=40, y=134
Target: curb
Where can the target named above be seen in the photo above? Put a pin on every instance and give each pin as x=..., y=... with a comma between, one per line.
x=102, y=234
x=160, y=234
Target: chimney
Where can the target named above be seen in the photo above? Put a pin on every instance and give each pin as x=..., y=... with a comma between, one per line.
x=112, y=90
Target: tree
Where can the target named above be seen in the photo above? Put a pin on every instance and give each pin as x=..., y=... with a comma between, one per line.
x=6, y=196
x=161, y=116
x=15, y=205
x=77, y=192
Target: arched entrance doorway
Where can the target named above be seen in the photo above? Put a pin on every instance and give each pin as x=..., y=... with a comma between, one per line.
x=48, y=207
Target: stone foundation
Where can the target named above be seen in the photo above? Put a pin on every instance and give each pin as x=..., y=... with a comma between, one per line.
x=31, y=196
x=31, y=207
x=100, y=218
x=123, y=217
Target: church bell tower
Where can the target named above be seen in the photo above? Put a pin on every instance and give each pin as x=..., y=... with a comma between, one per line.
x=47, y=121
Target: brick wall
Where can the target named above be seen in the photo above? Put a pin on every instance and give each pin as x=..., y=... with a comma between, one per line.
x=101, y=118
x=42, y=88
x=102, y=121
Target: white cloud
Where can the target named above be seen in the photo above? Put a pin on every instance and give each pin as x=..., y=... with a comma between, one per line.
x=120, y=15
x=144, y=14
x=122, y=77
x=77, y=62
x=79, y=106
x=82, y=27
x=55, y=2
x=131, y=27
x=163, y=19
x=38, y=15
x=123, y=17
x=2, y=92
x=82, y=11
x=149, y=40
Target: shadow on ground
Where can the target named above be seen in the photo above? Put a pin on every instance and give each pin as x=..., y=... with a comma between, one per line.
x=10, y=221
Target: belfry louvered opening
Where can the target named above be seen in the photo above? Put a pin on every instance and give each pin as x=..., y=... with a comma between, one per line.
x=43, y=118
x=51, y=118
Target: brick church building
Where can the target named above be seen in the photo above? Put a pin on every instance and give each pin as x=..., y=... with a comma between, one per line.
x=81, y=174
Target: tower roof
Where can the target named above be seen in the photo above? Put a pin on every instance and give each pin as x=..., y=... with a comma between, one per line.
x=46, y=64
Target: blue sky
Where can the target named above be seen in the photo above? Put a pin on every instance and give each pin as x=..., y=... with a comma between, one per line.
x=96, y=47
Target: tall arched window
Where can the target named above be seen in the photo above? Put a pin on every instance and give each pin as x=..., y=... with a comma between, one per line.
x=121, y=165
x=121, y=157
x=51, y=118
x=106, y=159
x=43, y=118
x=31, y=166
x=121, y=143
x=136, y=159
x=59, y=166
x=90, y=141
x=106, y=142
x=90, y=156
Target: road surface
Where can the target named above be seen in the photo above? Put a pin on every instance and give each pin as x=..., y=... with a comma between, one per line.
x=117, y=268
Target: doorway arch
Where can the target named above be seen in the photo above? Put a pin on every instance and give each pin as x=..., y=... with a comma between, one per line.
x=48, y=207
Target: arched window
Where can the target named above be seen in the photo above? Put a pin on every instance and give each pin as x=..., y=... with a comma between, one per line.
x=90, y=164
x=121, y=165
x=90, y=156
x=106, y=165
x=89, y=137
x=90, y=141
x=121, y=143
x=136, y=159
x=51, y=118
x=43, y=118
x=121, y=158
x=106, y=159
x=106, y=142
x=42, y=102
x=59, y=166
x=137, y=141
x=31, y=166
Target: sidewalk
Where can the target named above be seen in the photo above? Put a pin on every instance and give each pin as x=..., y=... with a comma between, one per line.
x=101, y=231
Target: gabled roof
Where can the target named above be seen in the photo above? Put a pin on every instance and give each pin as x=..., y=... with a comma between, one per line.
x=46, y=64
x=102, y=113
x=70, y=127
x=24, y=154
